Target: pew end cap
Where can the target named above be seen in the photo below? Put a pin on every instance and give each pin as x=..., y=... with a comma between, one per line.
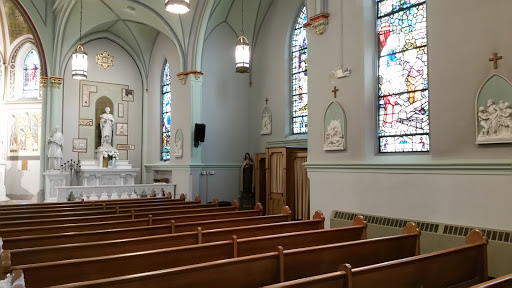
x=411, y=228
x=318, y=215
x=359, y=221
x=197, y=199
x=182, y=196
x=476, y=236
x=235, y=204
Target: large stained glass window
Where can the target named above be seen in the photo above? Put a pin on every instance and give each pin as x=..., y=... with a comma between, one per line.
x=300, y=75
x=31, y=76
x=403, y=83
x=166, y=113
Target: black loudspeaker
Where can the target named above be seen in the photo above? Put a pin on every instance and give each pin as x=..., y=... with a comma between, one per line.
x=199, y=130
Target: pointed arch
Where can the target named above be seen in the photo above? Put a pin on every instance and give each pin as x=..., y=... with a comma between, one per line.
x=299, y=75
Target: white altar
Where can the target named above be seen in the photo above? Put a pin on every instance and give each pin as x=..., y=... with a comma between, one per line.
x=93, y=174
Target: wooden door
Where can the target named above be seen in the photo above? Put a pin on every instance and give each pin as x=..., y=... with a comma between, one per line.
x=260, y=186
x=300, y=186
x=276, y=180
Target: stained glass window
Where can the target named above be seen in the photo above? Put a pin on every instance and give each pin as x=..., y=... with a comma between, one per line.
x=403, y=82
x=166, y=113
x=31, y=76
x=300, y=75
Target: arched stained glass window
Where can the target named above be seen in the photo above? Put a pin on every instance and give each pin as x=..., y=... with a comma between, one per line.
x=166, y=113
x=31, y=76
x=300, y=75
x=403, y=82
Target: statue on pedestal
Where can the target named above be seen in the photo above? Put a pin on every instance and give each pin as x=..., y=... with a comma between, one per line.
x=107, y=127
x=246, y=175
x=247, y=183
x=55, y=143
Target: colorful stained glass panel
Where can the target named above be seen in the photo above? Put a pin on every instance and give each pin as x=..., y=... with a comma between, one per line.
x=31, y=76
x=403, y=76
x=166, y=113
x=299, y=79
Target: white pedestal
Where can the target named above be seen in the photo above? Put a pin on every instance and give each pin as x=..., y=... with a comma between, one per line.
x=3, y=196
x=53, y=179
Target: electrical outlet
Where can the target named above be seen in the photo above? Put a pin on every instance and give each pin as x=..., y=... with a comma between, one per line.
x=203, y=172
x=212, y=172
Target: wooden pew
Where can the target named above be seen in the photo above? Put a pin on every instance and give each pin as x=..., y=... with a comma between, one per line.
x=117, y=217
x=100, y=235
x=269, y=268
x=88, y=203
x=126, y=264
x=125, y=206
x=501, y=282
x=121, y=246
x=107, y=211
x=456, y=267
x=149, y=221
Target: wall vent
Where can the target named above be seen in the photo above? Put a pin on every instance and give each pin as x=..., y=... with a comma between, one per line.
x=437, y=236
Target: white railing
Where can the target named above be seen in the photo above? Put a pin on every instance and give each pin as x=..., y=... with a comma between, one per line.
x=106, y=192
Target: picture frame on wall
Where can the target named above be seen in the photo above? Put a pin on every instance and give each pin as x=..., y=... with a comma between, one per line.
x=24, y=128
x=120, y=110
x=127, y=95
x=79, y=145
x=122, y=129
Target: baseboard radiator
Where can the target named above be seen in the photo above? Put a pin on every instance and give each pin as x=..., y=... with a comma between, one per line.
x=437, y=236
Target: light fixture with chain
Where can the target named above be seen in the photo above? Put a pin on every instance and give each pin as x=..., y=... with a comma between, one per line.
x=177, y=6
x=242, y=52
x=79, y=57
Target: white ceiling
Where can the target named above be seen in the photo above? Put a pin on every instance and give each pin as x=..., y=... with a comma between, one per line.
x=135, y=25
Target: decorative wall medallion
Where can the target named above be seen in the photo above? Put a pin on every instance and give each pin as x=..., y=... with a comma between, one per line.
x=85, y=122
x=56, y=81
x=105, y=60
x=334, y=127
x=493, y=111
x=318, y=22
x=125, y=147
x=266, y=121
x=178, y=144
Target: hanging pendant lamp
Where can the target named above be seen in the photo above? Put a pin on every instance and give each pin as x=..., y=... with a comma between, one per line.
x=177, y=6
x=79, y=57
x=242, y=52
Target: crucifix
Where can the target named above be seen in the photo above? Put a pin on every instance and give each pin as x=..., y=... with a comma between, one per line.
x=334, y=91
x=495, y=59
x=266, y=101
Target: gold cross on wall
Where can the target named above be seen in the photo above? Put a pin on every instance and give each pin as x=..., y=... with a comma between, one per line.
x=334, y=91
x=495, y=59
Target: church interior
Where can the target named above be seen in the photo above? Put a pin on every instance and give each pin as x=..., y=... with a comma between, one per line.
x=313, y=109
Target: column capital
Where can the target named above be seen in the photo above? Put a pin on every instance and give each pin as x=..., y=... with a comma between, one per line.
x=56, y=81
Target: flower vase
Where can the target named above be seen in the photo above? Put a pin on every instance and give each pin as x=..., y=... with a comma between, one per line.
x=114, y=162
x=105, y=162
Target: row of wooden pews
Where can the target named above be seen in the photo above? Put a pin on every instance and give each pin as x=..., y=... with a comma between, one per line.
x=186, y=244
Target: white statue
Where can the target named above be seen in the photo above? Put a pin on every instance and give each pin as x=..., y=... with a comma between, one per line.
x=334, y=137
x=266, y=126
x=107, y=127
x=178, y=148
x=495, y=120
x=55, y=143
